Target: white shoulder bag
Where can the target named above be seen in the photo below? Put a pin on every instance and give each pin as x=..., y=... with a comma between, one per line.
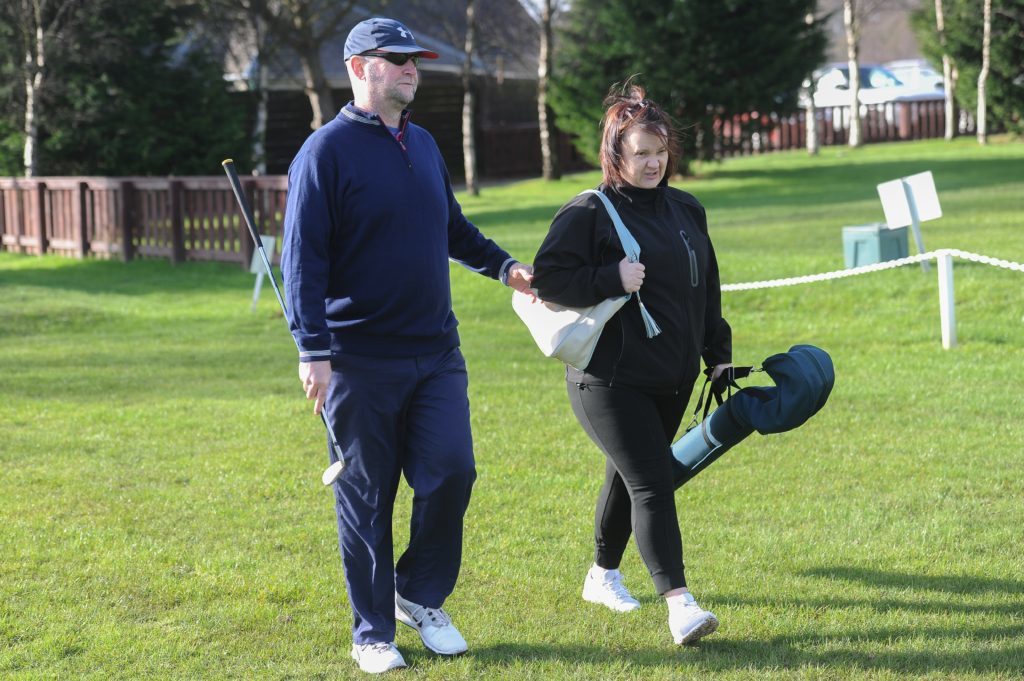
x=570, y=334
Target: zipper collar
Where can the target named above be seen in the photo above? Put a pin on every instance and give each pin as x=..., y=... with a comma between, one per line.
x=357, y=115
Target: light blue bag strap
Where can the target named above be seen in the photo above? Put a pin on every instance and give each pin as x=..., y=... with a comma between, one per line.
x=632, y=250
x=629, y=244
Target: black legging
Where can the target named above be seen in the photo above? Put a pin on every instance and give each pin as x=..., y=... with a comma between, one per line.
x=635, y=431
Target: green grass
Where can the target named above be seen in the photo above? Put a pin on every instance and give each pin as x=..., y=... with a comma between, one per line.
x=162, y=515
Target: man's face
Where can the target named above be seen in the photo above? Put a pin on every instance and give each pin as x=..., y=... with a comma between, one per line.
x=391, y=82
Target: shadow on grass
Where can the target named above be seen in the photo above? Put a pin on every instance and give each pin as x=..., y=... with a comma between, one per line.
x=839, y=183
x=913, y=649
x=872, y=650
x=136, y=278
x=947, y=584
x=854, y=651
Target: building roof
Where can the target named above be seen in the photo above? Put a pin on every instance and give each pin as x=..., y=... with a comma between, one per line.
x=506, y=44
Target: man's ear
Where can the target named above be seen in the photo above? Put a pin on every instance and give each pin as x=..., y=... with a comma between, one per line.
x=358, y=67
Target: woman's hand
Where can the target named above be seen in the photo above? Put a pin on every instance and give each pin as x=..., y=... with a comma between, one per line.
x=631, y=274
x=719, y=370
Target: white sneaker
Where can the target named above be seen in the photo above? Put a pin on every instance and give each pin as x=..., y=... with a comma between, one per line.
x=687, y=621
x=434, y=626
x=605, y=587
x=376, y=658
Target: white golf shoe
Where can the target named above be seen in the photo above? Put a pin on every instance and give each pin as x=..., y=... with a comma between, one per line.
x=687, y=621
x=376, y=658
x=434, y=626
x=605, y=587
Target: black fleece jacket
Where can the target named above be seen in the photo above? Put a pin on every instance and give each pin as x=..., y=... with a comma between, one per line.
x=578, y=265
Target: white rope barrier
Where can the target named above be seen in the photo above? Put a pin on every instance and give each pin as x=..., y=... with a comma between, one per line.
x=878, y=267
x=944, y=256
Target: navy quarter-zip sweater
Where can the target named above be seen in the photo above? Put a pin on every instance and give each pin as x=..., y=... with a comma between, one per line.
x=370, y=224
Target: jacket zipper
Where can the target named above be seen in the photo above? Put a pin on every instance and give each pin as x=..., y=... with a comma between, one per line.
x=694, y=278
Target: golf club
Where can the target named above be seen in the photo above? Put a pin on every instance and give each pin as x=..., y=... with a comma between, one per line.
x=335, y=469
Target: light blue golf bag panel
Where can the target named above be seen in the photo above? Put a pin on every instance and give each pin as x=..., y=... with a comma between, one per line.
x=803, y=377
x=703, y=444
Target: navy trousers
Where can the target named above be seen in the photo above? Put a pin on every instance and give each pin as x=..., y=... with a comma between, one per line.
x=393, y=417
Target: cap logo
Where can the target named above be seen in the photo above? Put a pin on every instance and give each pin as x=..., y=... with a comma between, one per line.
x=404, y=33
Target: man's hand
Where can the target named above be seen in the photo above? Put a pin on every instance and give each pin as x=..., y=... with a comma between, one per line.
x=520, y=277
x=316, y=378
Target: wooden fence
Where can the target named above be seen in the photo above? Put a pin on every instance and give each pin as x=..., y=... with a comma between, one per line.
x=754, y=133
x=186, y=218
x=196, y=218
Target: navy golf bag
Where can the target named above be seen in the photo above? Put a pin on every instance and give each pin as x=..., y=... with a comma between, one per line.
x=803, y=377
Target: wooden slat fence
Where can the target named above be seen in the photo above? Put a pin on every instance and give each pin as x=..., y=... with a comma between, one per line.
x=187, y=218
x=196, y=218
x=754, y=133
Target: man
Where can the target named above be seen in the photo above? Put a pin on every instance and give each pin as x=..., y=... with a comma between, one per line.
x=371, y=222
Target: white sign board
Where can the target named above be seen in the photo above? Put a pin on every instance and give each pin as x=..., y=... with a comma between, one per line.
x=258, y=268
x=910, y=201
x=902, y=198
x=269, y=244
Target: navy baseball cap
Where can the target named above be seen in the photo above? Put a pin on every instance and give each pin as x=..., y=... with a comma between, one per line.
x=386, y=35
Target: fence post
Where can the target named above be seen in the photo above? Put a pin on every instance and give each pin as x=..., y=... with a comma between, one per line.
x=19, y=218
x=40, y=205
x=947, y=311
x=79, y=217
x=127, y=191
x=177, y=223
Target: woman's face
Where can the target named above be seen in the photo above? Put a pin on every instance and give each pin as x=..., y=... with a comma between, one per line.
x=644, y=158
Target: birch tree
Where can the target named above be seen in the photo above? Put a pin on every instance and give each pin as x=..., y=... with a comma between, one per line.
x=550, y=167
x=36, y=24
x=986, y=49
x=851, y=25
x=469, y=103
x=948, y=73
x=304, y=26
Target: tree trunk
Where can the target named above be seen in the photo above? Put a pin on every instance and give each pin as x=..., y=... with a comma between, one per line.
x=259, y=88
x=316, y=87
x=810, y=117
x=550, y=168
x=852, y=37
x=986, y=46
x=34, y=64
x=947, y=73
x=259, y=130
x=468, y=103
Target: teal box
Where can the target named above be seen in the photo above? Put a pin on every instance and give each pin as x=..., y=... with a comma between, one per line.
x=874, y=243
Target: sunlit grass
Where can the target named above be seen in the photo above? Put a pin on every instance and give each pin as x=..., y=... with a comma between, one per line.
x=162, y=515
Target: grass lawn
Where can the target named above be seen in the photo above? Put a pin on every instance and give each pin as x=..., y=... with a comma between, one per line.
x=162, y=514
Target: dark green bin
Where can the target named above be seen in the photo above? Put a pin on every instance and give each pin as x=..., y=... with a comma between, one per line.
x=874, y=243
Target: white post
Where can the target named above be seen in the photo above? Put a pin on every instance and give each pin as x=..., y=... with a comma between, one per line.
x=257, y=267
x=947, y=313
x=256, y=290
x=915, y=220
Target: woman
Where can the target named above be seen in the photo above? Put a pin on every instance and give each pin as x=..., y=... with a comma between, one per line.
x=631, y=397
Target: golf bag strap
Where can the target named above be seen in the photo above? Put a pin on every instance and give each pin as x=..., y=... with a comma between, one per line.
x=632, y=250
x=716, y=389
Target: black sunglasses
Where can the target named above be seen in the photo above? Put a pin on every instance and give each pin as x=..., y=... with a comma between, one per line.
x=396, y=58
